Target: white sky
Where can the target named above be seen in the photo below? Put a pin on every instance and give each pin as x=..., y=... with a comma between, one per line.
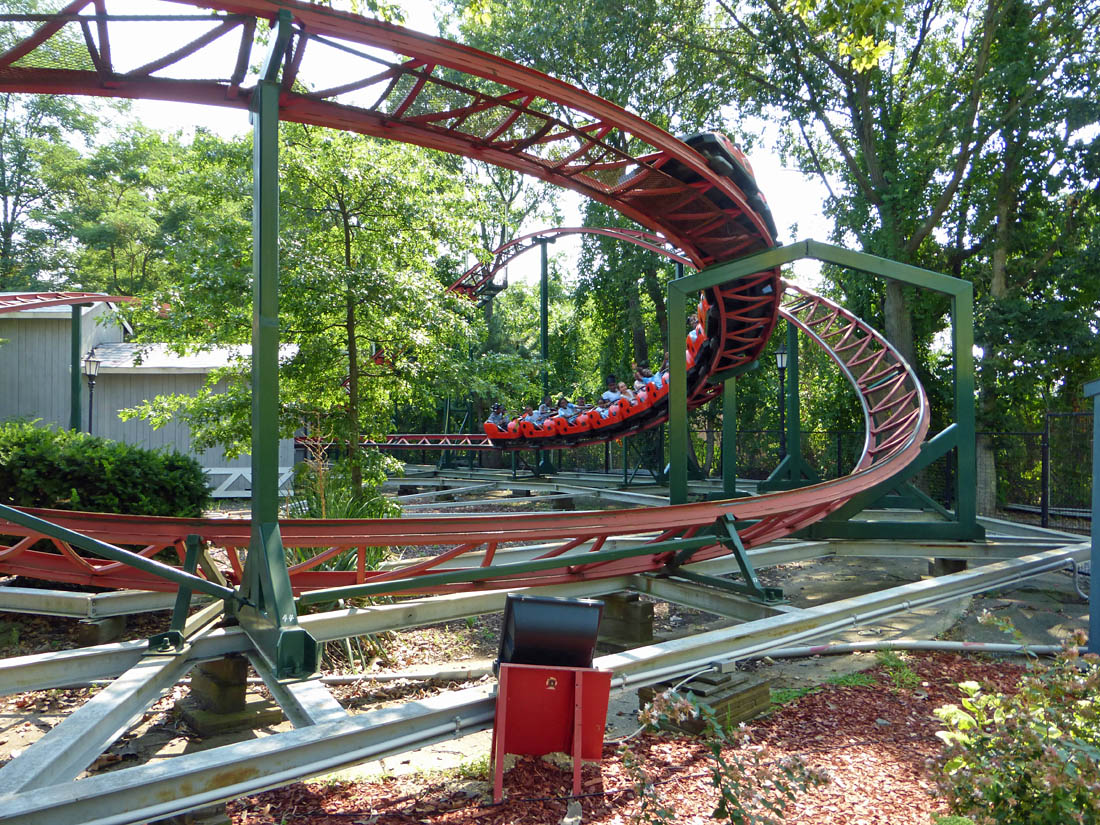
x=794, y=198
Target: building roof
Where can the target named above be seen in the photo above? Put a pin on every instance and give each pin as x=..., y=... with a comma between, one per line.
x=159, y=358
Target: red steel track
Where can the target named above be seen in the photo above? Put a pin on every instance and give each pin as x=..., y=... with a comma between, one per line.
x=446, y=96
x=474, y=281
x=38, y=300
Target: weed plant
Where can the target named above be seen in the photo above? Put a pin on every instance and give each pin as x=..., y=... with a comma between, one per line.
x=902, y=677
x=754, y=786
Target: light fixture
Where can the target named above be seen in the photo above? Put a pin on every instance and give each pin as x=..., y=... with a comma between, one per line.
x=781, y=357
x=91, y=370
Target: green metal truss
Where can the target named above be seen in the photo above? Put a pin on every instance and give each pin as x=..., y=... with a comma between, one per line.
x=958, y=436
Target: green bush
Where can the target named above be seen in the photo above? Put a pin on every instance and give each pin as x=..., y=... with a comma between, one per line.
x=1032, y=758
x=69, y=470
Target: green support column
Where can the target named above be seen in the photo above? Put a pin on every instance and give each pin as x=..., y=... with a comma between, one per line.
x=271, y=620
x=793, y=471
x=74, y=368
x=543, y=464
x=1092, y=389
x=729, y=437
x=962, y=345
x=446, y=461
x=677, y=391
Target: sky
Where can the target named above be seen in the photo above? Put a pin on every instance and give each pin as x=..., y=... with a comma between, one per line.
x=794, y=198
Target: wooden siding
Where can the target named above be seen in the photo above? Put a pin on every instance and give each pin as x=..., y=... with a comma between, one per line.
x=34, y=364
x=34, y=384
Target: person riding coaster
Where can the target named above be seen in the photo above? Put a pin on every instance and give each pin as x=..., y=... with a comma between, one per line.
x=710, y=330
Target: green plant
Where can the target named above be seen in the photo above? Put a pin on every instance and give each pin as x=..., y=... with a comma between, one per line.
x=852, y=680
x=901, y=675
x=1032, y=758
x=951, y=819
x=784, y=696
x=475, y=769
x=327, y=491
x=754, y=788
x=70, y=470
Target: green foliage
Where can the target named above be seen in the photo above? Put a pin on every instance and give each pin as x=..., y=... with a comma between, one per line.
x=852, y=680
x=753, y=787
x=784, y=696
x=69, y=470
x=940, y=819
x=897, y=668
x=322, y=491
x=1032, y=758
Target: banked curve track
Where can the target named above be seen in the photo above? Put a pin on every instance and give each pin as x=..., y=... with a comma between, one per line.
x=420, y=89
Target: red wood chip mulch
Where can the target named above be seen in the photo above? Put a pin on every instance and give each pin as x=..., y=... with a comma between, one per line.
x=874, y=743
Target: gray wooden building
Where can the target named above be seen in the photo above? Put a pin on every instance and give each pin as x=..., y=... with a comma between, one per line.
x=35, y=347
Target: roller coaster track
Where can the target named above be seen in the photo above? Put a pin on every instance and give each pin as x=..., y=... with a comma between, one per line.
x=477, y=280
x=453, y=98
x=22, y=301
x=895, y=411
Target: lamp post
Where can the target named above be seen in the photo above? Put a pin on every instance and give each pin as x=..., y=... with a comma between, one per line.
x=91, y=369
x=781, y=362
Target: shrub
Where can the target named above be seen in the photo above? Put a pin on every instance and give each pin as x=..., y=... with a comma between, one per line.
x=1032, y=758
x=754, y=787
x=69, y=470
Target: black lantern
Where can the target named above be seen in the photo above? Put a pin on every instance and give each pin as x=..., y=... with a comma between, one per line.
x=781, y=363
x=91, y=369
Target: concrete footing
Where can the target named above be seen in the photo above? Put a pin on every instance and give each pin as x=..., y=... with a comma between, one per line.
x=91, y=632
x=734, y=697
x=944, y=567
x=627, y=620
x=219, y=702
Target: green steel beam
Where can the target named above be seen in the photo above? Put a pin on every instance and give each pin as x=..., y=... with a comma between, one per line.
x=793, y=471
x=1092, y=390
x=272, y=620
x=109, y=551
x=901, y=530
x=937, y=447
x=677, y=390
x=74, y=367
x=962, y=338
x=543, y=464
x=729, y=438
x=473, y=574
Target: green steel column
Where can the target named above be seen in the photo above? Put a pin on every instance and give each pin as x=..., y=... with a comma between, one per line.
x=794, y=421
x=271, y=621
x=677, y=392
x=74, y=369
x=729, y=437
x=265, y=306
x=543, y=464
x=966, y=479
x=1093, y=389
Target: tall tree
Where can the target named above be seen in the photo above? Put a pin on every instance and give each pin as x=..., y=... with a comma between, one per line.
x=619, y=52
x=36, y=133
x=903, y=135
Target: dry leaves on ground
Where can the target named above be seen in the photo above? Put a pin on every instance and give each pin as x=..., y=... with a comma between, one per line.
x=874, y=742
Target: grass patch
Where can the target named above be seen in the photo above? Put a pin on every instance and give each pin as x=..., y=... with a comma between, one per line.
x=784, y=696
x=851, y=680
x=902, y=677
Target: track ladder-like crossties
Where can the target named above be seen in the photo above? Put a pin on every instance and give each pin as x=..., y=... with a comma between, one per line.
x=895, y=412
x=403, y=85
